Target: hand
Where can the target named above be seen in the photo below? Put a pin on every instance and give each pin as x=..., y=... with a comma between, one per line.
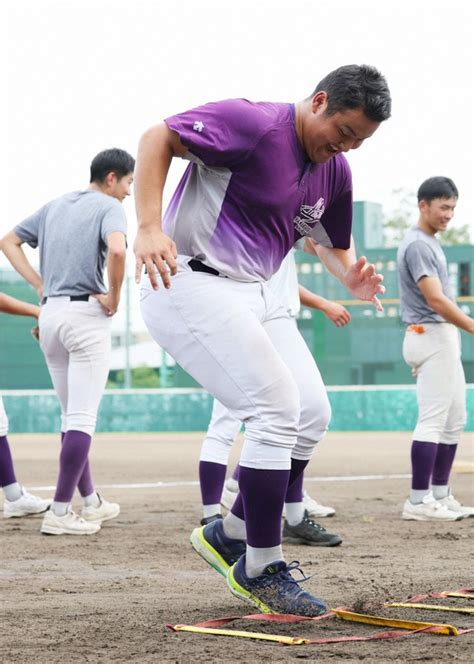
x=156, y=251
x=337, y=314
x=35, y=332
x=109, y=303
x=364, y=283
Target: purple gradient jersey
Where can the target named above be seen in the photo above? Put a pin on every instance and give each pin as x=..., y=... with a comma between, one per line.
x=250, y=192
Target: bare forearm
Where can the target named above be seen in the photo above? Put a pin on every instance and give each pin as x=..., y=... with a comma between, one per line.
x=153, y=162
x=115, y=274
x=10, y=305
x=452, y=313
x=19, y=261
x=309, y=299
x=337, y=261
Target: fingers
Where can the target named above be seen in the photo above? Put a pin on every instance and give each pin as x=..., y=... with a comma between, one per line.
x=138, y=270
x=377, y=304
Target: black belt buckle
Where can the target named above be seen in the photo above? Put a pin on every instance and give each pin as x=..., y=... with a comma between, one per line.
x=197, y=266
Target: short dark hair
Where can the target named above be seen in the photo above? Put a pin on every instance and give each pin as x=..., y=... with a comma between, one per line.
x=437, y=187
x=108, y=161
x=357, y=86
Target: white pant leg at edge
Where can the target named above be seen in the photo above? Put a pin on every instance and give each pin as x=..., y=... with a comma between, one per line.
x=3, y=420
x=213, y=328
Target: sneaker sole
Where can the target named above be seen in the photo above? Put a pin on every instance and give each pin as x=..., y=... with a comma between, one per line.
x=18, y=515
x=50, y=530
x=114, y=515
x=300, y=540
x=207, y=552
x=416, y=517
x=321, y=515
x=240, y=592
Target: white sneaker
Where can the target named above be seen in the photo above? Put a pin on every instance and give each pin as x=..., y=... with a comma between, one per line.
x=103, y=512
x=429, y=510
x=228, y=497
x=26, y=504
x=454, y=505
x=69, y=524
x=315, y=509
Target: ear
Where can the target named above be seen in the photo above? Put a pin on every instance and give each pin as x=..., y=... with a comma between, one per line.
x=319, y=101
x=423, y=206
x=111, y=179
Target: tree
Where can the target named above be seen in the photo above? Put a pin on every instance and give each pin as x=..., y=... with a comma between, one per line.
x=404, y=216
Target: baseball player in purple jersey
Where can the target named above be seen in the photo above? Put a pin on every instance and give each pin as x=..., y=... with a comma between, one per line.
x=300, y=509
x=75, y=234
x=18, y=502
x=261, y=177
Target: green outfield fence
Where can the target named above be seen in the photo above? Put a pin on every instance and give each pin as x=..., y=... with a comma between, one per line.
x=359, y=408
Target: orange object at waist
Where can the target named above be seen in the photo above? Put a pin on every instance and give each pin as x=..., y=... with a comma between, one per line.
x=419, y=329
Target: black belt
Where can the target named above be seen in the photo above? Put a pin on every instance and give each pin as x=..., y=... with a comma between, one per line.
x=73, y=298
x=197, y=266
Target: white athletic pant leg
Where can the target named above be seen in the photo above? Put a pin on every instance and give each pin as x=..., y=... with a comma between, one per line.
x=77, y=346
x=212, y=326
x=221, y=434
x=3, y=419
x=56, y=356
x=435, y=356
x=457, y=414
x=315, y=411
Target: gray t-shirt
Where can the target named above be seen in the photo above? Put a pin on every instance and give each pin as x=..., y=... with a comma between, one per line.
x=71, y=234
x=420, y=255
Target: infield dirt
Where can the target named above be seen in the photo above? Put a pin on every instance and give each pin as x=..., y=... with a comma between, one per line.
x=107, y=598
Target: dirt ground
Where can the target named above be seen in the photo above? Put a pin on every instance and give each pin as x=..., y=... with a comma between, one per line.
x=107, y=598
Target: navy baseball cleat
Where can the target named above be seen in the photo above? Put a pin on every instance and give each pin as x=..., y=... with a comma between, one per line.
x=210, y=519
x=215, y=547
x=275, y=590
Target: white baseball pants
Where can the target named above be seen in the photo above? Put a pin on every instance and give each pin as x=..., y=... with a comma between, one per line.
x=3, y=419
x=75, y=339
x=239, y=343
x=435, y=357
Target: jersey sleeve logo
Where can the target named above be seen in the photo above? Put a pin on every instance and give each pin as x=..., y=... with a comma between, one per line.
x=308, y=217
x=198, y=126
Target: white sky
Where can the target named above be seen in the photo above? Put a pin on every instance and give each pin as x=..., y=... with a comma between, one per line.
x=85, y=76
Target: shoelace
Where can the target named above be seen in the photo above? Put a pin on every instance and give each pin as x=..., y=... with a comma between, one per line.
x=294, y=566
x=308, y=519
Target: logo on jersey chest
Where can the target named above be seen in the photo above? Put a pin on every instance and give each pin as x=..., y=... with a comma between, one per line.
x=308, y=217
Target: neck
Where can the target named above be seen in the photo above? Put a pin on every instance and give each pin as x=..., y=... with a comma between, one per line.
x=426, y=228
x=97, y=187
x=299, y=113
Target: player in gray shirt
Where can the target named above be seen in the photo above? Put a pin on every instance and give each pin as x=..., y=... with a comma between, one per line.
x=75, y=234
x=432, y=348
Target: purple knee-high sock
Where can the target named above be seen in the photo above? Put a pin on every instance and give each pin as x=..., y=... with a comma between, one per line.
x=72, y=461
x=294, y=492
x=263, y=494
x=443, y=463
x=211, y=479
x=85, y=484
x=7, y=471
x=236, y=473
x=423, y=457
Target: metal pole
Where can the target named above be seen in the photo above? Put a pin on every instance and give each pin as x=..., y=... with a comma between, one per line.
x=128, y=373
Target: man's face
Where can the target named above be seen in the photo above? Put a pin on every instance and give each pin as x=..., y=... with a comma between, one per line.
x=438, y=213
x=120, y=187
x=327, y=135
